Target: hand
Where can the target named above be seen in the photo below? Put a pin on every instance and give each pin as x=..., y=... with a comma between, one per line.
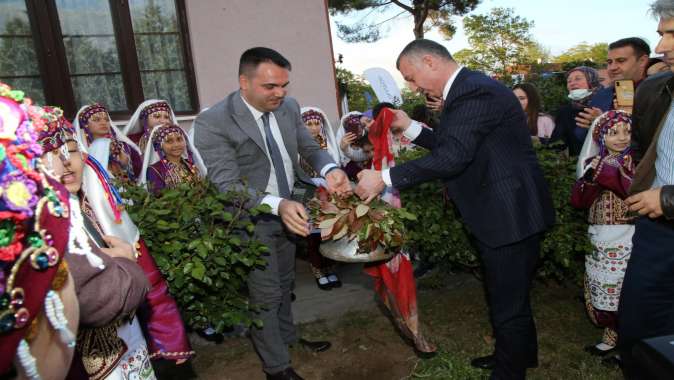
x=294, y=216
x=370, y=184
x=118, y=248
x=347, y=140
x=123, y=158
x=400, y=122
x=434, y=103
x=646, y=203
x=595, y=162
x=338, y=183
x=587, y=116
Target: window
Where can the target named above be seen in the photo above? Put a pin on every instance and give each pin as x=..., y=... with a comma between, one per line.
x=118, y=53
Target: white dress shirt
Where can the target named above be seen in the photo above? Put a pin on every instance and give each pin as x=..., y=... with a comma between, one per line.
x=272, y=199
x=415, y=128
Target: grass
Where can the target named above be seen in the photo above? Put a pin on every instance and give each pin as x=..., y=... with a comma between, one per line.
x=456, y=320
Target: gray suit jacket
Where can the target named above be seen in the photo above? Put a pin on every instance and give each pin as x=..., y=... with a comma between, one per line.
x=233, y=148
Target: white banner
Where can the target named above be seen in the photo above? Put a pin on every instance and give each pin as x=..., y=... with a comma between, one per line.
x=383, y=85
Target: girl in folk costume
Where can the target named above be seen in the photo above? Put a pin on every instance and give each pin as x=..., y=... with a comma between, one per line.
x=110, y=343
x=355, y=156
x=148, y=115
x=170, y=159
x=159, y=315
x=318, y=125
x=39, y=312
x=605, y=177
x=394, y=278
x=119, y=155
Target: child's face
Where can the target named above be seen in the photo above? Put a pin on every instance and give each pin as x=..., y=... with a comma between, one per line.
x=158, y=118
x=99, y=124
x=174, y=146
x=368, y=149
x=68, y=170
x=618, y=137
x=366, y=122
x=314, y=126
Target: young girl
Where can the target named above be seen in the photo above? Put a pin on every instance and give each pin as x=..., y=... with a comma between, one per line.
x=170, y=159
x=606, y=177
x=354, y=157
x=148, y=115
x=318, y=125
x=119, y=155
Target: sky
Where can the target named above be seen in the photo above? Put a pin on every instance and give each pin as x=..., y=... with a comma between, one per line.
x=558, y=25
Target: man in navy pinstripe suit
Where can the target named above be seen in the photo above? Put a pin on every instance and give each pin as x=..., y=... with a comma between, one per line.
x=482, y=151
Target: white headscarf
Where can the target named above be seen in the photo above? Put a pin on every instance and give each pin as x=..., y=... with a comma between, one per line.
x=97, y=196
x=134, y=125
x=333, y=146
x=100, y=148
x=590, y=149
x=150, y=157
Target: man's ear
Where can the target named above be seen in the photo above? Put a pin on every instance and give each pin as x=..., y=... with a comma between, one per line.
x=643, y=62
x=244, y=82
x=428, y=60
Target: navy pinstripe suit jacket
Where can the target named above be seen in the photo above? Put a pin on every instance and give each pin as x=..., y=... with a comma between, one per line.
x=482, y=151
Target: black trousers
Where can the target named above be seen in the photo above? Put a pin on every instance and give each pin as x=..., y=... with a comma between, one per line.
x=509, y=271
x=647, y=299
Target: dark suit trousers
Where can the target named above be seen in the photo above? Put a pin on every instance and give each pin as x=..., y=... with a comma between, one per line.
x=647, y=298
x=509, y=271
x=270, y=288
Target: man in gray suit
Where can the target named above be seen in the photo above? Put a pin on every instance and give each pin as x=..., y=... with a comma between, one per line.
x=251, y=142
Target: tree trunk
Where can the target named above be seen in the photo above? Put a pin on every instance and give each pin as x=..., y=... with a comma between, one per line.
x=420, y=13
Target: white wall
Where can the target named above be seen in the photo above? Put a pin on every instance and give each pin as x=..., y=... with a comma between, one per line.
x=220, y=30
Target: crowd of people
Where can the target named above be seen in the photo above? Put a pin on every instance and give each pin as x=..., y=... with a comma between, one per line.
x=78, y=284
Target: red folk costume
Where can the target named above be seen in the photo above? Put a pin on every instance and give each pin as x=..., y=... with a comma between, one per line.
x=33, y=239
x=602, y=191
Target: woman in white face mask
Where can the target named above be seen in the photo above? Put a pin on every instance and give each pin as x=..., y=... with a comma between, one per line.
x=581, y=82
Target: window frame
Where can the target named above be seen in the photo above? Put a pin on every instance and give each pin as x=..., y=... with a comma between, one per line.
x=53, y=64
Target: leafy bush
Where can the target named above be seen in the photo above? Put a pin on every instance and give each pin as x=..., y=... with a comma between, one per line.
x=439, y=235
x=201, y=241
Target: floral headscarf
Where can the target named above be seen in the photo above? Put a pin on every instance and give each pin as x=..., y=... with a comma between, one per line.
x=33, y=220
x=604, y=123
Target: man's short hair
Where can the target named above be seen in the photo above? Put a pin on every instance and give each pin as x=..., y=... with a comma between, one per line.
x=639, y=46
x=251, y=59
x=424, y=46
x=663, y=8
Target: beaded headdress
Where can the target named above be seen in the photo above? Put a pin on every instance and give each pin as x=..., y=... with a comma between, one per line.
x=160, y=136
x=33, y=232
x=54, y=130
x=86, y=113
x=312, y=115
x=352, y=124
x=155, y=107
x=605, y=122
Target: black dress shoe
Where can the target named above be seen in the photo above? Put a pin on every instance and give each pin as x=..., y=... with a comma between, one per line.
x=484, y=362
x=612, y=361
x=318, y=346
x=287, y=374
x=489, y=362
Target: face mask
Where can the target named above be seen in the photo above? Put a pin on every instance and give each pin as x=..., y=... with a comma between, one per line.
x=579, y=94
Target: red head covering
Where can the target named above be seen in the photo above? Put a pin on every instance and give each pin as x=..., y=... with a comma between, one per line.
x=33, y=225
x=378, y=135
x=55, y=129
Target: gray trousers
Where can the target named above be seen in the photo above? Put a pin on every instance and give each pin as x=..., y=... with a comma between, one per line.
x=270, y=288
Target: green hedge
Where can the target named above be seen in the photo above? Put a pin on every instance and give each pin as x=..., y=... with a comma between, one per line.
x=439, y=235
x=201, y=240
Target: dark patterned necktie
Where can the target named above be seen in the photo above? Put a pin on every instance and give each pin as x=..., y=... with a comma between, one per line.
x=276, y=159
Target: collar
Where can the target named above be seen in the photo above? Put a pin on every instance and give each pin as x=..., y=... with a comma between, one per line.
x=449, y=83
x=257, y=114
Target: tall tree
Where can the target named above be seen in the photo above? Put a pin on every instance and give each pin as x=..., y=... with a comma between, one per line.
x=498, y=40
x=596, y=53
x=426, y=14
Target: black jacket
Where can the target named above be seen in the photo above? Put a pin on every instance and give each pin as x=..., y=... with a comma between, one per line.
x=651, y=105
x=482, y=151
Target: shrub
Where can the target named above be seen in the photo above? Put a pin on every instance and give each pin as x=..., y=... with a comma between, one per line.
x=439, y=235
x=201, y=241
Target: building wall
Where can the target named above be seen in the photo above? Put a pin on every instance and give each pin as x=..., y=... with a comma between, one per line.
x=220, y=30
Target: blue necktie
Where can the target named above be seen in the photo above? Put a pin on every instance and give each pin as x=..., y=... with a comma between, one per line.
x=276, y=159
